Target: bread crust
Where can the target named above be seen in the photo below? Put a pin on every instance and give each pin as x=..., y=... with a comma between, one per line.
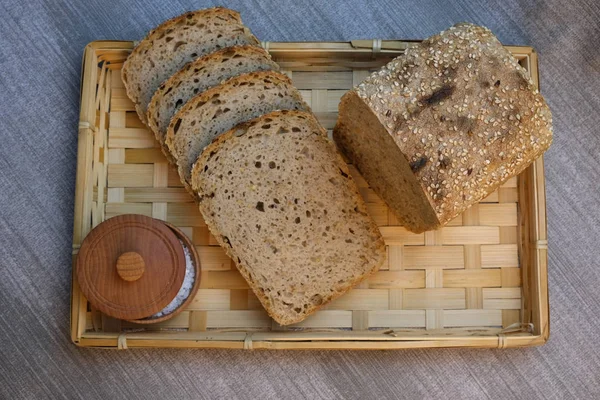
x=462, y=111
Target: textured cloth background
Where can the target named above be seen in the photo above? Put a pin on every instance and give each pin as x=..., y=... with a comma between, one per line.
x=41, y=45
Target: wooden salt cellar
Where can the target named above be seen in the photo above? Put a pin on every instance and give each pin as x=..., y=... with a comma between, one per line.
x=132, y=266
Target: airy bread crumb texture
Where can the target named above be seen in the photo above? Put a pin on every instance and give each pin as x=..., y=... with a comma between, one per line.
x=219, y=109
x=280, y=200
x=167, y=48
x=200, y=75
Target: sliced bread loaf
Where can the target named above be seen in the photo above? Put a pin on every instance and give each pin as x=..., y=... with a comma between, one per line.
x=198, y=76
x=439, y=128
x=167, y=48
x=280, y=200
x=224, y=106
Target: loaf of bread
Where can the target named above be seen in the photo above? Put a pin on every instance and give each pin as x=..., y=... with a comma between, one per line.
x=222, y=107
x=280, y=200
x=441, y=127
x=198, y=76
x=167, y=48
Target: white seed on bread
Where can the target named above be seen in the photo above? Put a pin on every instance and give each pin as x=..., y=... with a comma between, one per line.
x=280, y=200
x=167, y=48
x=222, y=107
x=439, y=128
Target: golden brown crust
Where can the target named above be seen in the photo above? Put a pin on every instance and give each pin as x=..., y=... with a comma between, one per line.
x=464, y=113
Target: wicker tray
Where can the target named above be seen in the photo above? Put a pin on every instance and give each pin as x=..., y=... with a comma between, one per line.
x=480, y=282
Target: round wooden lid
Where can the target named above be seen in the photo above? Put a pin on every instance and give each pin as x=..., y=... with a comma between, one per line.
x=130, y=266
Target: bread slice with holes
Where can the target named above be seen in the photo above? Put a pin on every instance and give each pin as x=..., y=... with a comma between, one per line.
x=219, y=109
x=200, y=75
x=441, y=127
x=167, y=48
x=278, y=197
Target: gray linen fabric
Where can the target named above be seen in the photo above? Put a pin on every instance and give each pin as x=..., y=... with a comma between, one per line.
x=41, y=44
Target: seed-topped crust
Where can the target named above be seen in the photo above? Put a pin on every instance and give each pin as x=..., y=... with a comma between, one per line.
x=463, y=112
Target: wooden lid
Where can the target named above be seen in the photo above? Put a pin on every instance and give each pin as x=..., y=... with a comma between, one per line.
x=130, y=266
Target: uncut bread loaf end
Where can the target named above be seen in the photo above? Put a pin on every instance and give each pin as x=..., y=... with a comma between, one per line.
x=441, y=127
x=280, y=200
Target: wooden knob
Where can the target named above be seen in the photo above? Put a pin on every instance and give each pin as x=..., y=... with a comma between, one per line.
x=130, y=266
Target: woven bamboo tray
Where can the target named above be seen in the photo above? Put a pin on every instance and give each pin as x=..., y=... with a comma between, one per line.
x=479, y=282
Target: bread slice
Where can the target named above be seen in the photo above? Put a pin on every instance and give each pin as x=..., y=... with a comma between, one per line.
x=221, y=108
x=280, y=200
x=441, y=127
x=200, y=75
x=167, y=48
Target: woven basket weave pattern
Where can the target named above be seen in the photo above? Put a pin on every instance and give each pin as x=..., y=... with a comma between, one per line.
x=464, y=280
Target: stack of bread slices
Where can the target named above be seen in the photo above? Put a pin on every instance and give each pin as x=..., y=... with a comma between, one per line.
x=272, y=188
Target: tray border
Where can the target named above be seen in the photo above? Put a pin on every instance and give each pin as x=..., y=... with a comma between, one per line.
x=534, y=254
